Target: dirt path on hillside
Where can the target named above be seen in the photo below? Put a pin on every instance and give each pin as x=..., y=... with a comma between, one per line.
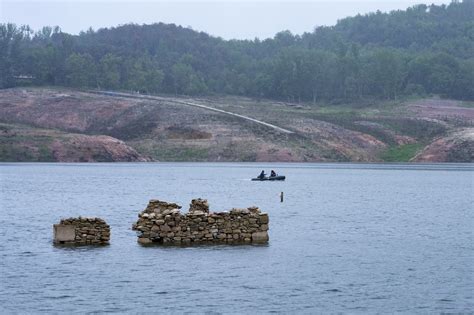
x=180, y=101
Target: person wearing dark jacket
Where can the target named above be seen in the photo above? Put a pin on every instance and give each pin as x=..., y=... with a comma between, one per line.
x=262, y=175
x=273, y=174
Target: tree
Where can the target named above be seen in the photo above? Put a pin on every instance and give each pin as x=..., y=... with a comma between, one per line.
x=81, y=70
x=386, y=72
x=11, y=38
x=144, y=75
x=384, y=55
x=109, y=73
x=186, y=80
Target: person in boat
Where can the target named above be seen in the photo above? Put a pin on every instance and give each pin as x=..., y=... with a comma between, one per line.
x=262, y=175
x=273, y=174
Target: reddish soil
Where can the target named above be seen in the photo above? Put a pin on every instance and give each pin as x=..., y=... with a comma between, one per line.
x=456, y=147
x=84, y=148
x=19, y=143
x=446, y=110
x=68, y=125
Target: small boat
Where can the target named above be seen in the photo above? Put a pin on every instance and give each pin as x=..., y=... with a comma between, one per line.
x=271, y=178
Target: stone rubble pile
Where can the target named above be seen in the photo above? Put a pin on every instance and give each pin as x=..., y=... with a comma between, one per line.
x=199, y=205
x=162, y=222
x=82, y=231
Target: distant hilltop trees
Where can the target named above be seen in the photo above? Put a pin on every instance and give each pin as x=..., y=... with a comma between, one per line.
x=422, y=50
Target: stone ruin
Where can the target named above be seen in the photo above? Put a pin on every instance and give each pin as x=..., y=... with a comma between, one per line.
x=163, y=223
x=82, y=231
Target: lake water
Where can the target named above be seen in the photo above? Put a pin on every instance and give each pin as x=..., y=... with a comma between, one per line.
x=347, y=238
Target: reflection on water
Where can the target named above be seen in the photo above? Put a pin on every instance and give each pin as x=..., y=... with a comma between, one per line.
x=348, y=238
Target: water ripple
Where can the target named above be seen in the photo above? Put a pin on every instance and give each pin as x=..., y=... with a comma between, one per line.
x=348, y=238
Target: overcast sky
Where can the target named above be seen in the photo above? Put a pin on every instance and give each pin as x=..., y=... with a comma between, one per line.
x=225, y=18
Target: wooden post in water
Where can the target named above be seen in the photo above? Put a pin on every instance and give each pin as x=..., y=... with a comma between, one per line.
x=281, y=196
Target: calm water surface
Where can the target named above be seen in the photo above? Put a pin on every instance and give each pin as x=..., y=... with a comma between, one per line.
x=347, y=238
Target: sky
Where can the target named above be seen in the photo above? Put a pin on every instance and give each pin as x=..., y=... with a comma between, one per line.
x=229, y=19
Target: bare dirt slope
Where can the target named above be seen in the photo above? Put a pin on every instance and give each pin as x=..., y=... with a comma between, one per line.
x=22, y=143
x=443, y=110
x=458, y=146
x=216, y=129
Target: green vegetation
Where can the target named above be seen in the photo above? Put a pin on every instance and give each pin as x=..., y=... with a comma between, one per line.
x=181, y=154
x=402, y=153
x=420, y=129
x=422, y=50
x=24, y=148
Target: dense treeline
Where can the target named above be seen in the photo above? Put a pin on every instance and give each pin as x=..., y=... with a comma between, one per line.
x=423, y=50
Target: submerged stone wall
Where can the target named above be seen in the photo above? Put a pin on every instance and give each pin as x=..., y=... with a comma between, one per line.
x=162, y=222
x=82, y=231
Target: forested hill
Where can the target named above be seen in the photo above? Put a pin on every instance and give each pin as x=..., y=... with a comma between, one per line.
x=422, y=50
x=448, y=29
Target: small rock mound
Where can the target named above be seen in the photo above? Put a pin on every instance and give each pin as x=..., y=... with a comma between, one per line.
x=199, y=205
x=82, y=231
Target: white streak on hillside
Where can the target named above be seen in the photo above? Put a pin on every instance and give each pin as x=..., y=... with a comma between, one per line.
x=179, y=101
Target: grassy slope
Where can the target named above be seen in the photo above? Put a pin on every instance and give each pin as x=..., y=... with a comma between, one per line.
x=402, y=153
x=390, y=115
x=20, y=144
x=370, y=131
